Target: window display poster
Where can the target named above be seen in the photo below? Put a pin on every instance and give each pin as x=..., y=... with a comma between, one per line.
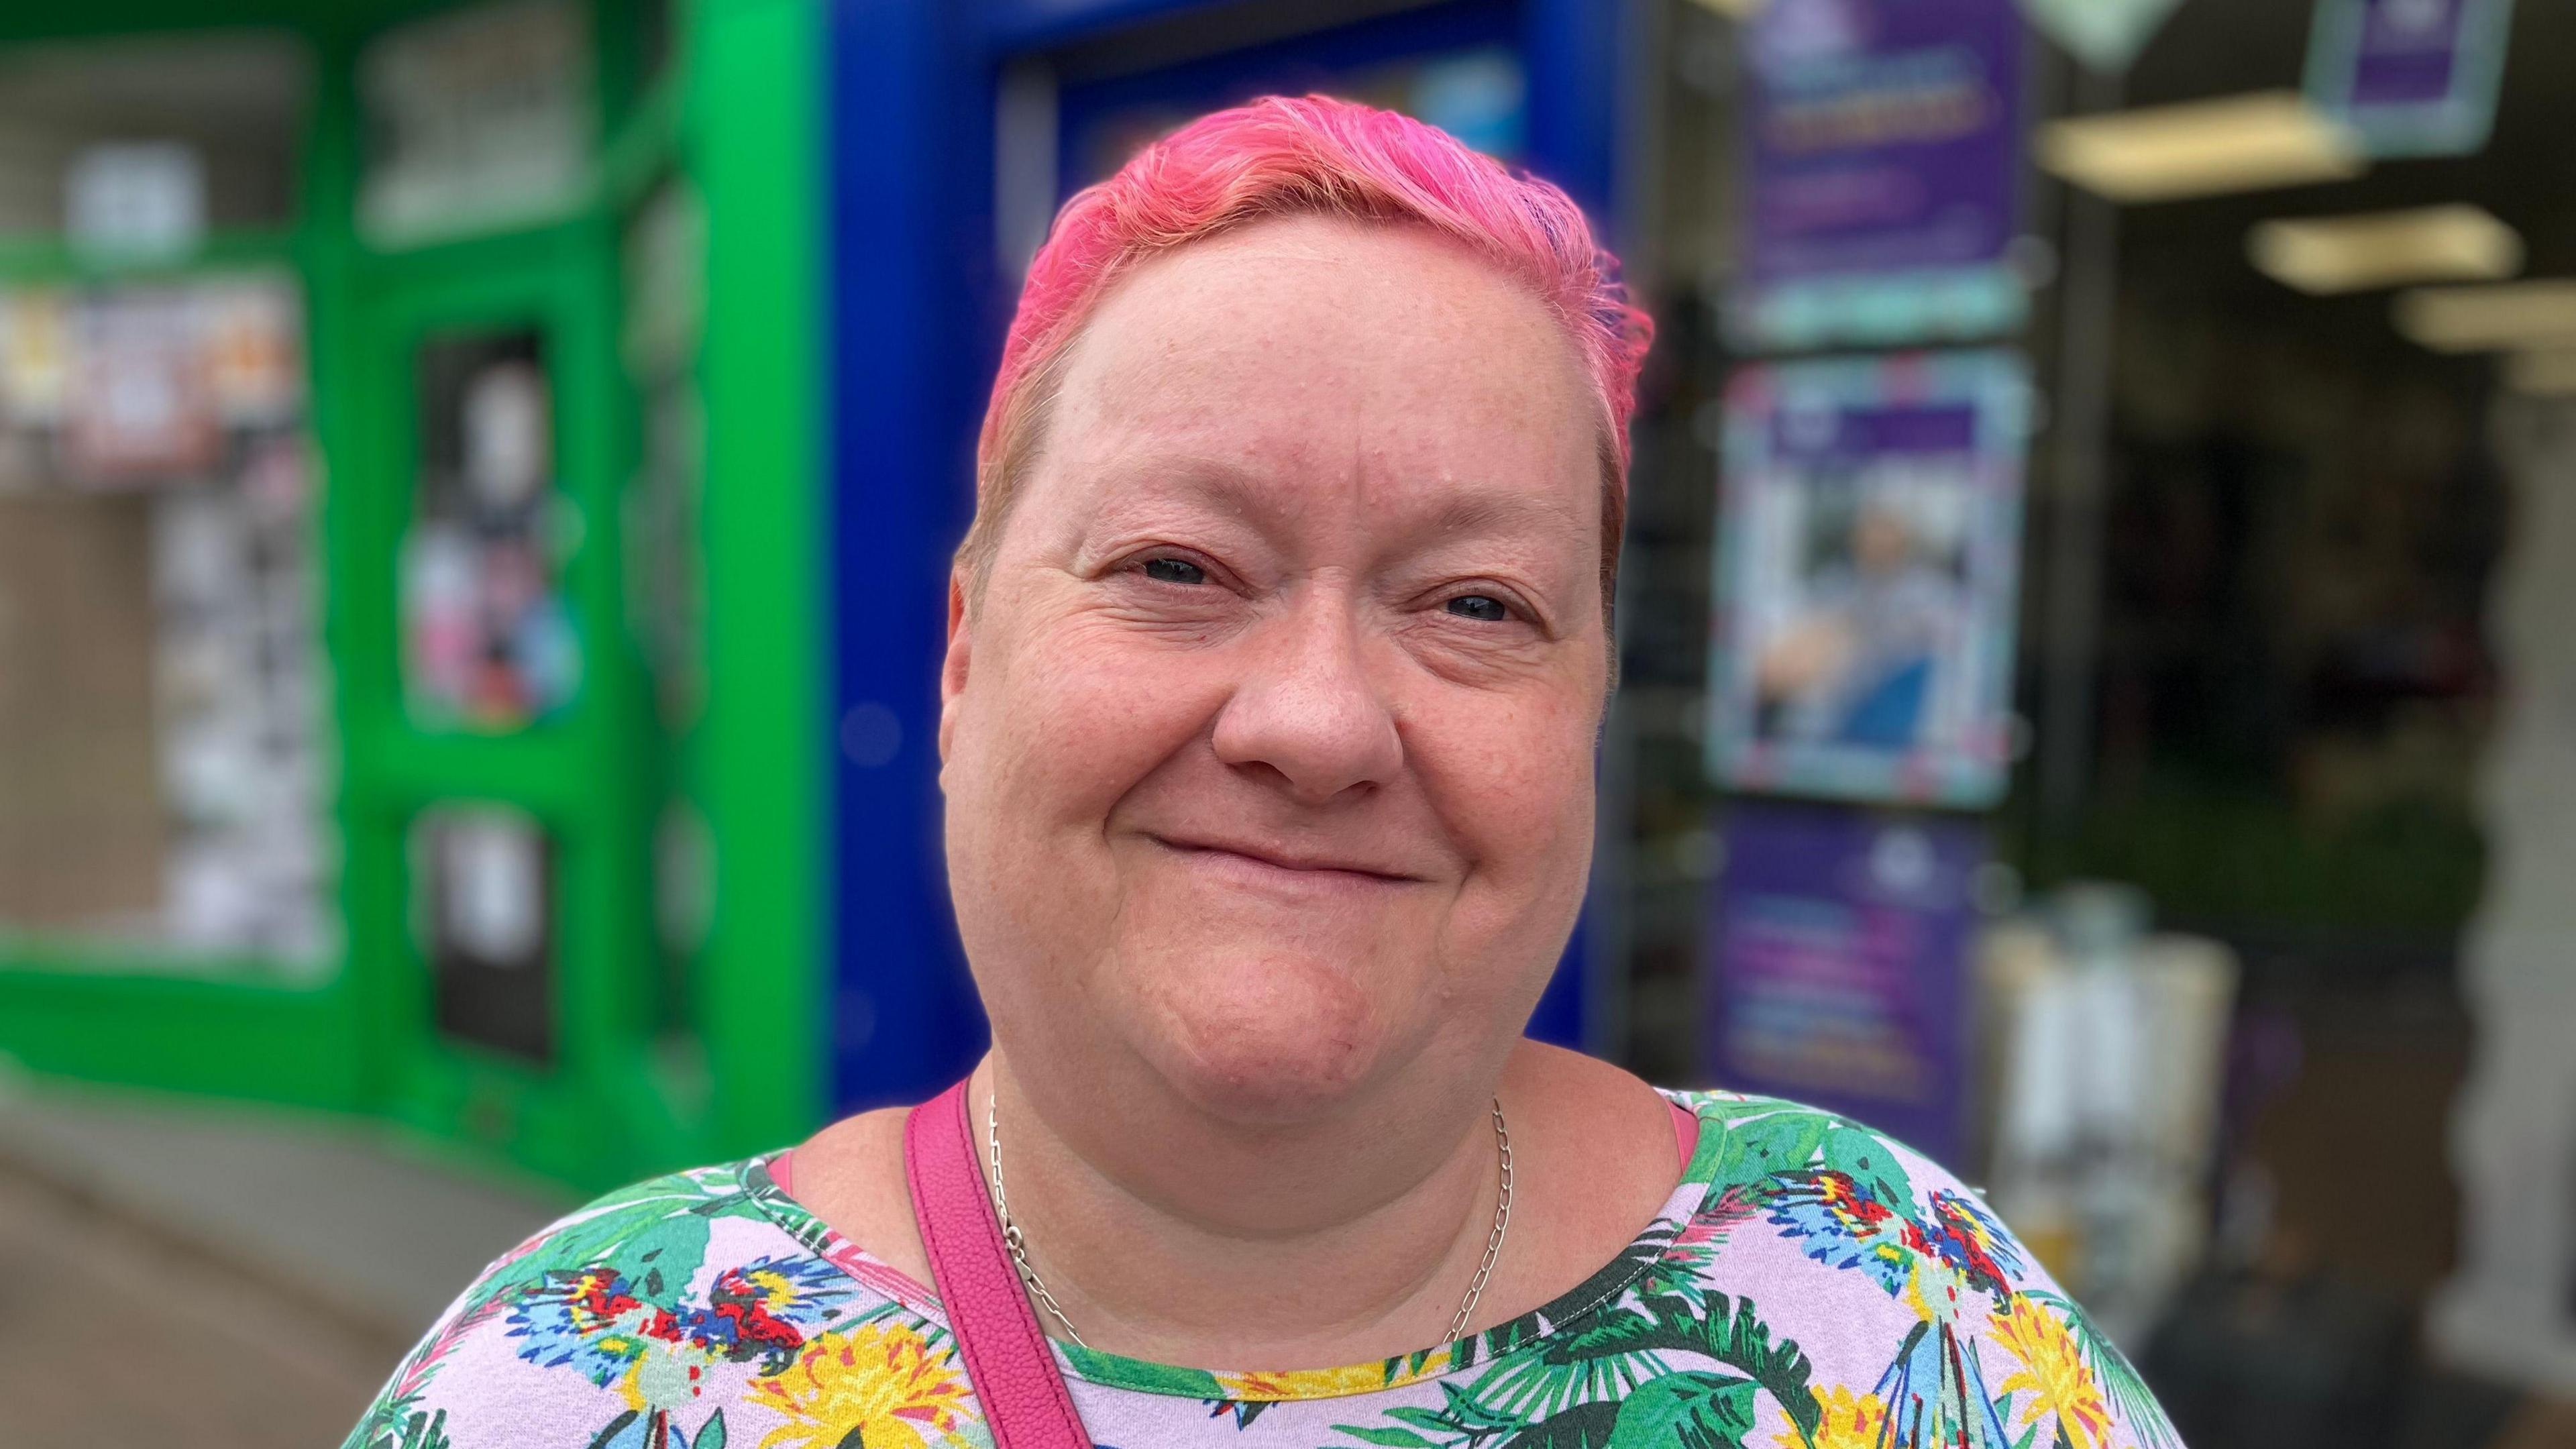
x=253, y=355
x=1866, y=570
x=477, y=118
x=140, y=381
x=664, y=251
x=36, y=357
x=135, y=200
x=1838, y=964
x=140, y=410
x=489, y=642
x=2413, y=77
x=1883, y=173
x=486, y=916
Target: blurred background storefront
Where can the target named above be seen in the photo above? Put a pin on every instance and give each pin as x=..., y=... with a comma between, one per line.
x=379, y=687
x=476, y=484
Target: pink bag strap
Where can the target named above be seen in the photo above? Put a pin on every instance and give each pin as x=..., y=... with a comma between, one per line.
x=1007, y=1357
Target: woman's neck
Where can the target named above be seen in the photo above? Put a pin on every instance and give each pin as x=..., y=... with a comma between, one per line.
x=1230, y=1249
x=1355, y=1240
x=1185, y=1242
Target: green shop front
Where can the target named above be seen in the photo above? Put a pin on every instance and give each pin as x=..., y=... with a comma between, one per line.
x=404, y=709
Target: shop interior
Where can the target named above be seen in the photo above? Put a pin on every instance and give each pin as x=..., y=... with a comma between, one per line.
x=2272, y=740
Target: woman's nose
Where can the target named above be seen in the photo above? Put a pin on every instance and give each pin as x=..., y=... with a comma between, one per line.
x=1307, y=707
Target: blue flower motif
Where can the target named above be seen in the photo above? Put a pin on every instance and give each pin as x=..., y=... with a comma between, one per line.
x=585, y=1319
x=1842, y=1224
x=800, y=1290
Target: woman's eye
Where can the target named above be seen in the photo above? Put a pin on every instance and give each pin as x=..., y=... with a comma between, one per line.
x=1174, y=571
x=1483, y=608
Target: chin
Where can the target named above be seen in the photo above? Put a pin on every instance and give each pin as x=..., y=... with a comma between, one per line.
x=1279, y=1038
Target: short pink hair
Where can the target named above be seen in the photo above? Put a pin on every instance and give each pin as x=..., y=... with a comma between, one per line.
x=1311, y=156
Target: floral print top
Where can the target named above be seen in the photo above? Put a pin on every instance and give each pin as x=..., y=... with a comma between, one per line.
x=1809, y=1285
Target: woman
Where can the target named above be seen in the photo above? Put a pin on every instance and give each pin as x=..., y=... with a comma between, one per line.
x=1277, y=653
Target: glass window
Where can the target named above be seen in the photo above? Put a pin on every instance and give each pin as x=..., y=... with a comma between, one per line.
x=163, y=691
x=484, y=877
x=488, y=637
x=231, y=108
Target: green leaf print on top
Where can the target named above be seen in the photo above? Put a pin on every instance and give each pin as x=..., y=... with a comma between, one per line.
x=1692, y=1410
x=1668, y=1325
x=1762, y=1143
x=1585, y=1426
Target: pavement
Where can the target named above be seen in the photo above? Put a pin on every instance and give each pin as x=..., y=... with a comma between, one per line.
x=176, y=1272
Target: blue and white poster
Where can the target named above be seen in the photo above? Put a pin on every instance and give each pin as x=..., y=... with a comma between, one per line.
x=1883, y=171
x=2412, y=77
x=1866, y=571
x=1838, y=965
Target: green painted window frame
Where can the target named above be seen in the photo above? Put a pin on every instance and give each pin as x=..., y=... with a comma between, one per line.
x=739, y=111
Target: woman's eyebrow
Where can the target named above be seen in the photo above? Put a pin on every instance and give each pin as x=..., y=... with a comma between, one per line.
x=1150, y=480
x=1148, y=484
x=1501, y=511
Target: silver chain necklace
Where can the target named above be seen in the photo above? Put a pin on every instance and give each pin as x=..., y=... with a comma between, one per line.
x=1011, y=1236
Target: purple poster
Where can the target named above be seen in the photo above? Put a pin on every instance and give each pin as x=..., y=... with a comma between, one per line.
x=1884, y=162
x=1839, y=976
x=1866, y=562
x=2414, y=77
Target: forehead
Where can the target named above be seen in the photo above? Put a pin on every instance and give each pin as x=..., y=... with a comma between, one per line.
x=1320, y=352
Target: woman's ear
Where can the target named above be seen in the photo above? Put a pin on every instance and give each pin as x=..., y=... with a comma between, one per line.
x=952, y=669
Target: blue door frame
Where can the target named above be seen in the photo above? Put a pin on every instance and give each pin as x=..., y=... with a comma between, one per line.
x=919, y=305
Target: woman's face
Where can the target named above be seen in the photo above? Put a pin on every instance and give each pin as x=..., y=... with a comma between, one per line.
x=1268, y=734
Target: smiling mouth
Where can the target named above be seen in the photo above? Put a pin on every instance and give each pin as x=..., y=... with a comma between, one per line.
x=1318, y=869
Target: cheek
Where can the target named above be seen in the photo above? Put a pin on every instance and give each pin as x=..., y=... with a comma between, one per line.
x=1057, y=724
x=1514, y=778
x=1070, y=720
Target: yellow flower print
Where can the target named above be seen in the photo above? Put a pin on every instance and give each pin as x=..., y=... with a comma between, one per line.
x=2052, y=1368
x=1328, y=1383
x=882, y=1382
x=1850, y=1421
